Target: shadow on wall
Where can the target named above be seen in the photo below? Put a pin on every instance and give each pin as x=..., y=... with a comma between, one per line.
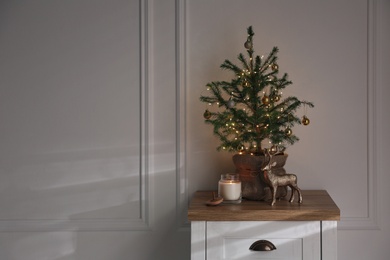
x=73, y=185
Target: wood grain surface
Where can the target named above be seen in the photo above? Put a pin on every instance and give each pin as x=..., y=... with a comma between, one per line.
x=317, y=205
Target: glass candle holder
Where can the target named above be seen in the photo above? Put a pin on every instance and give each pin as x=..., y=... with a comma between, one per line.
x=229, y=188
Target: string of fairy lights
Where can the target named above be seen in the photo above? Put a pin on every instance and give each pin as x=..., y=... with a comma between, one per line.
x=249, y=110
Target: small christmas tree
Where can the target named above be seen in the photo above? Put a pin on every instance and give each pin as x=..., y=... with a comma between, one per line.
x=250, y=106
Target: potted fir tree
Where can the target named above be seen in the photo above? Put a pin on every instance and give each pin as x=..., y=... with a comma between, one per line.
x=249, y=111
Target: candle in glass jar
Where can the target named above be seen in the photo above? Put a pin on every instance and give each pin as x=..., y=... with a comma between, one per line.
x=229, y=188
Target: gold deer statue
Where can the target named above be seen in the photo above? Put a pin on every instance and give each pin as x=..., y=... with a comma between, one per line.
x=274, y=181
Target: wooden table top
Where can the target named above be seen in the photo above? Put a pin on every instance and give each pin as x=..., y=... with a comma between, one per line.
x=317, y=205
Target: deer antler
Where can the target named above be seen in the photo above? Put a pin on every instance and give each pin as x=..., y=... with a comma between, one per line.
x=269, y=155
x=280, y=151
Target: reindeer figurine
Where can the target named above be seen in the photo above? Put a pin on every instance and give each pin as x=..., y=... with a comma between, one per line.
x=274, y=181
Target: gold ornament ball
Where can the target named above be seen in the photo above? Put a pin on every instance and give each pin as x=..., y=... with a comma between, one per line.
x=274, y=67
x=265, y=100
x=248, y=44
x=230, y=103
x=288, y=131
x=273, y=149
x=276, y=98
x=305, y=120
x=207, y=114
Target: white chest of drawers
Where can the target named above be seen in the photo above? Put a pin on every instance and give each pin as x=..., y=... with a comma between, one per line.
x=305, y=231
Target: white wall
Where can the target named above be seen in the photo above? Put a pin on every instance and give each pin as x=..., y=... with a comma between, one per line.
x=88, y=139
x=102, y=136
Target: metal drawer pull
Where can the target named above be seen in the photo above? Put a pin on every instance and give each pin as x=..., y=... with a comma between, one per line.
x=262, y=245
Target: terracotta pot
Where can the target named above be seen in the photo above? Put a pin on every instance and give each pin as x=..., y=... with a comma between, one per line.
x=249, y=168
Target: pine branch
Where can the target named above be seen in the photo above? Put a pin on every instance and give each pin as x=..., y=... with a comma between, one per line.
x=245, y=122
x=228, y=65
x=244, y=62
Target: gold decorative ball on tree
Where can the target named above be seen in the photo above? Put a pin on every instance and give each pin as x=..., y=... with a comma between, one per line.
x=207, y=114
x=305, y=120
x=250, y=107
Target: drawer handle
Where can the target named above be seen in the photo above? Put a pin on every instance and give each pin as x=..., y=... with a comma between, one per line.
x=262, y=245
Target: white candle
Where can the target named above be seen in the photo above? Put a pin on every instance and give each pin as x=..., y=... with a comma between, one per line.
x=229, y=187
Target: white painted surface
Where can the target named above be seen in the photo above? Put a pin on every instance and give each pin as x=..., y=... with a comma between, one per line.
x=329, y=239
x=101, y=128
x=293, y=240
x=198, y=240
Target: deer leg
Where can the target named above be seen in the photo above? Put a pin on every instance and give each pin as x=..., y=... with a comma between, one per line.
x=299, y=194
x=273, y=190
x=293, y=188
x=292, y=193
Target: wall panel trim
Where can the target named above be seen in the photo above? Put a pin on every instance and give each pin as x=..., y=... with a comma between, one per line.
x=142, y=223
x=371, y=220
x=181, y=174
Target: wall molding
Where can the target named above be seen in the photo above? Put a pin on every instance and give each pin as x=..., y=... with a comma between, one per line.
x=371, y=220
x=55, y=225
x=144, y=118
x=182, y=199
x=142, y=223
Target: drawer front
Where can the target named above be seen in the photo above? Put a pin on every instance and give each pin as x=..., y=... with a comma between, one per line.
x=294, y=240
